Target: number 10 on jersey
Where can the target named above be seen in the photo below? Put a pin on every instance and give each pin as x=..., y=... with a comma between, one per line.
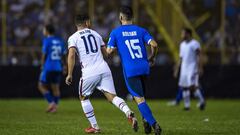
x=132, y=46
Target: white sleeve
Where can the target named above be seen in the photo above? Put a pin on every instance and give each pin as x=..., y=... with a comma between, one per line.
x=196, y=46
x=71, y=42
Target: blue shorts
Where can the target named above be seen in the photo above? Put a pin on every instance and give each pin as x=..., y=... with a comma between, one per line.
x=136, y=85
x=50, y=77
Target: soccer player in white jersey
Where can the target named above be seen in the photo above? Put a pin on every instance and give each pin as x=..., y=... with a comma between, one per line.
x=190, y=69
x=88, y=45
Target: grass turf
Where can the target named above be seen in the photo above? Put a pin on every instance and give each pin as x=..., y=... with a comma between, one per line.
x=27, y=117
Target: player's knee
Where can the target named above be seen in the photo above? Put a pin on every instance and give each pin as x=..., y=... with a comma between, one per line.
x=109, y=96
x=41, y=88
x=139, y=100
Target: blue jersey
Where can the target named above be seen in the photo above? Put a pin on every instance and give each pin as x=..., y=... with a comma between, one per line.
x=53, y=49
x=130, y=41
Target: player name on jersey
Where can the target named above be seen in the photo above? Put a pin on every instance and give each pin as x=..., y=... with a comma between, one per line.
x=84, y=31
x=126, y=34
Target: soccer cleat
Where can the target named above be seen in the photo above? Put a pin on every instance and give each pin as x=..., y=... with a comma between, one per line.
x=186, y=109
x=92, y=130
x=147, y=127
x=133, y=121
x=52, y=108
x=202, y=106
x=157, y=129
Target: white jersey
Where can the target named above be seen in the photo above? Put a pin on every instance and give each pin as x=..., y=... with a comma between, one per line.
x=88, y=45
x=188, y=55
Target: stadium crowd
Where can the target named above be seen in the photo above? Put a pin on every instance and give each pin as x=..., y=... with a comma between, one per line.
x=25, y=20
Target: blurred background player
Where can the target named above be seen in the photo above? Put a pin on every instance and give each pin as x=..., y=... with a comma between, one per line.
x=52, y=61
x=130, y=42
x=87, y=43
x=191, y=68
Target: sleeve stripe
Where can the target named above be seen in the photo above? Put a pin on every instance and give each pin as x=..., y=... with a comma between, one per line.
x=109, y=46
x=149, y=41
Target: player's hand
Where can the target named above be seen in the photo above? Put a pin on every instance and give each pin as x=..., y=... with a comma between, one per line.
x=151, y=61
x=175, y=74
x=68, y=80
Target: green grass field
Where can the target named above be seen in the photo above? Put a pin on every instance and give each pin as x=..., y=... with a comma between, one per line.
x=27, y=117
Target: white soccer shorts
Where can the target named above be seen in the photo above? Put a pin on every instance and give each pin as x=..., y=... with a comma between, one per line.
x=188, y=80
x=102, y=82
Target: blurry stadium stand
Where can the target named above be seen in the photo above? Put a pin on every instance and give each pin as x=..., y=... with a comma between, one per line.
x=215, y=23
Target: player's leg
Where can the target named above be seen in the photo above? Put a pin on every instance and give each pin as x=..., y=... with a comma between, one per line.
x=43, y=88
x=86, y=88
x=106, y=85
x=198, y=93
x=178, y=98
x=186, y=98
x=185, y=83
x=135, y=86
x=56, y=96
x=55, y=79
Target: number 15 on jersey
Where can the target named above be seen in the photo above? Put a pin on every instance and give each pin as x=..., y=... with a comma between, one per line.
x=133, y=46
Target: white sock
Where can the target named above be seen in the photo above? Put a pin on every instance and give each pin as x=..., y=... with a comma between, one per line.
x=89, y=112
x=186, y=97
x=199, y=95
x=121, y=104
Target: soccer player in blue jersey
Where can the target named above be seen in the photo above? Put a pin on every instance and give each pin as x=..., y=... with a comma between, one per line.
x=130, y=41
x=53, y=51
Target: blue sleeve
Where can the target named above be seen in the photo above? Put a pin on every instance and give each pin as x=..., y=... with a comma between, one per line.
x=112, y=40
x=44, y=47
x=147, y=37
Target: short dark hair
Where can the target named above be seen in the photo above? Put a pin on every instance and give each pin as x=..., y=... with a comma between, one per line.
x=50, y=28
x=81, y=18
x=127, y=12
x=188, y=31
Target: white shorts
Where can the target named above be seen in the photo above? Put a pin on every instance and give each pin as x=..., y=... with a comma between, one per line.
x=187, y=80
x=102, y=82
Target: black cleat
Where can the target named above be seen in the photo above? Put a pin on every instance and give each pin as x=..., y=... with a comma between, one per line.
x=186, y=109
x=202, y=106
x=157, y=129
x=147, y=127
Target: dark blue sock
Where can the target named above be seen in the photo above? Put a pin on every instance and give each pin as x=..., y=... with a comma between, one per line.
x=56, y=99
x=179, y=95
x=48, y=97
x=146, y=113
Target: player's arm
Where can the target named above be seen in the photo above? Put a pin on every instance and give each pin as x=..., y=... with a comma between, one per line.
x=44, y=53
x=71, y=64
x=111, y=46
x=104, y=51
x=43, y=58
x=154, y=51
x=177, y=68
x=199, y=62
